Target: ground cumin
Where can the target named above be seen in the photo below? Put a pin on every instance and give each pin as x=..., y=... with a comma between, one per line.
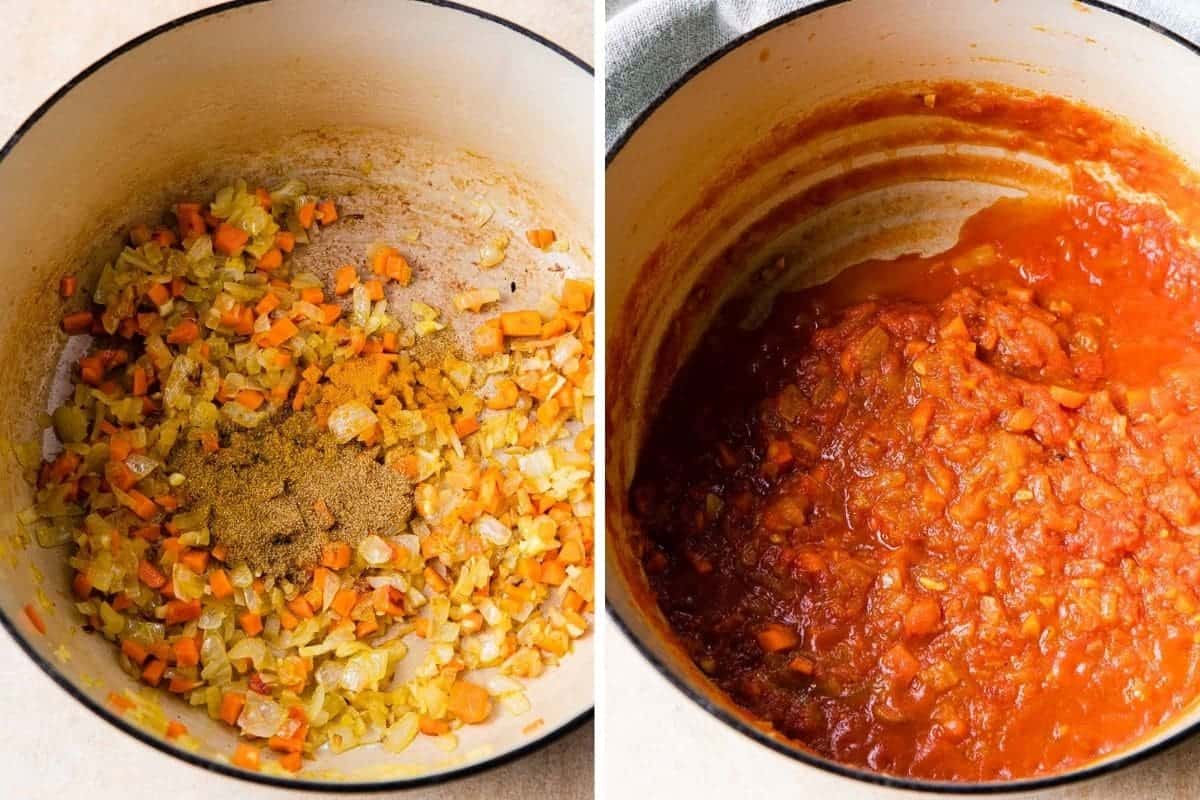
x=277, y=493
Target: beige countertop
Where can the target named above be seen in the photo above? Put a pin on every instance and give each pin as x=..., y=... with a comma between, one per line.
x=51, y=747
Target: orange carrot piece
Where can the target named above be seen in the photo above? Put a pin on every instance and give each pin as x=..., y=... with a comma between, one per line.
x=397, y=268
x=577, y=295
x=78, y=322
x=312, y=295
x=81, y=585
x=267, y=304
x=521, y=323
x=301, y=608
x=330, y=313
x=489, y=340
x=335, y=555
x=143, y=506
x=67, y=286
x=271, y=260
x=263, y=197
x=246, y=756
x=175, y=728
x=469, y=702
x=285, y=241
x=306, y=214
x=229, y=240
x=280, y=331
x=154, y=671
x=344, y=601
x=182, y=611
x=326, y=212
x=139, y=234
x=345, y=278
x=220, y=584
x=541, y=238
x=374, y=290
x=554, y=572
x=187, y=654
x=251, y=623
x=251, y=399
x=195, y=560
x=186, y=332
x=35, y=619
x=465, y=426
x=191, y=221
x=150, y=575
x=231, y=707
x=775, y=637
x=292, y=762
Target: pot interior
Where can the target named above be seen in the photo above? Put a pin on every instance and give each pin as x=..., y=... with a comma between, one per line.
x=782, y=162
x=413, y=117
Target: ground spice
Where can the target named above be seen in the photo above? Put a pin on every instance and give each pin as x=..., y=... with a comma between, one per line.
x=279, y=492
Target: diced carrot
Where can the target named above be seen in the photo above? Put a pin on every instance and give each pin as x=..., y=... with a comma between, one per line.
x=151, y=533
x=366, y=627
x=571, y=552
x=209, y=442
x=141, y=505
x=220, y=584
x=119, y=475
x=489, y=340
x=141, y=381
x=165, y=238
x=267, y=304
x=159, y=294
x=180, y=684
x=229, y=240
x=345, y=279
x=251, y=623
x=187, y=654
x=191, y=221
x=154, y=671
x=67, y=286
x=434, y=579
x=379, y=259
x=251, y=399
x=263, y=197
x=344, y=601
x=119, y=702
x=301, y=608
x=529, y=569
x=330, y=313
x=231, y=707
x=175, y=729
x=185, y=332
x=246, y=756
x=134, y=651
x=285, y=241
x=775, y=637
x=195, y=560
x=139, y=234
x=555, y=327
x=540, y=238
x=280, y=331
x=521, y=323
x=465, y=426
x=78, y=322
x=554, y=572
x=326, y=212
x=150, y=575
x=335, y=555
x=374, y=290
x=182, y=611
x=469, y=702
x=292, y=762
x=397, y=268
x=577, y=295
x=307, y=214
x=433, y=727
x=270, y=260
x=81, y=585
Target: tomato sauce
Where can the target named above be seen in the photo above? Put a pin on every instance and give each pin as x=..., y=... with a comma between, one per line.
x=940, y=517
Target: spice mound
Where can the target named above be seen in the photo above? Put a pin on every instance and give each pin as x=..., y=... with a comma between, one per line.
x=277, y=494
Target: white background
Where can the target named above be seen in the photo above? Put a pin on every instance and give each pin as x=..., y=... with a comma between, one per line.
x=51, y=747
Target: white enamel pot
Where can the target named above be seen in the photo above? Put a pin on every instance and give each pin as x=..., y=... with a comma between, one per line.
x=409, y=113
x=707, y=163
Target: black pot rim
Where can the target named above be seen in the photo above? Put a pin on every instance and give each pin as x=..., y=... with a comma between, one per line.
x=740, y=724
x=297, y=784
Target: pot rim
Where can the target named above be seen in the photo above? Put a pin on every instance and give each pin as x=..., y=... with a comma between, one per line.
x=145, y=737
x=742, y=725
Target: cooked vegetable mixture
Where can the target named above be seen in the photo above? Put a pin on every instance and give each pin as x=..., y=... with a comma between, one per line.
x=939, y=517
x=207, y=343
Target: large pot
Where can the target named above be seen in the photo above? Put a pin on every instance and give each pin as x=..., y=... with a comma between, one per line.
x=410, y=114
x=692, y=185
